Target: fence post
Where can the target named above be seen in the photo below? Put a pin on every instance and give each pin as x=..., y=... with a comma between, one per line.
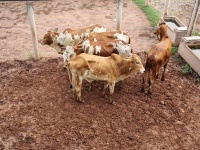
x=193, y=18
x=119, y=13
x=33, y=28
x=147, y=3
x=166, y=8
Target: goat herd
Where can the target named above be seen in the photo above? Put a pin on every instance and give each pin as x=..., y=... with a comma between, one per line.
x=93, y=53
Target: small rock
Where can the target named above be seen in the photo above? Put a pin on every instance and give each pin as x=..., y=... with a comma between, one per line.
x=162, y=102
x=179, y=122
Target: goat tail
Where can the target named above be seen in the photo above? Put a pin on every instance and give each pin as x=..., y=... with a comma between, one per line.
x=148, y=67
x=147, y=75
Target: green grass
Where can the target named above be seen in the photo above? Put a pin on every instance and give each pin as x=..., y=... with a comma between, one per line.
x=197, y=79
x=31, y=56
x=152, y=14
x=195, y=33
x=174, y=50
x=154, y=17
x=187, y=69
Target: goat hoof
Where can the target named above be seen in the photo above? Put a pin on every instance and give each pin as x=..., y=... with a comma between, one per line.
x=113, y=103
x=162, y=79
x=149, y=92
x=81, y=101
x=70, y=86
x=103, y=94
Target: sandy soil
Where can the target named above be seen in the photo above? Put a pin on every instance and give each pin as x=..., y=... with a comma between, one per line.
x=37, y=110
x=71, y=14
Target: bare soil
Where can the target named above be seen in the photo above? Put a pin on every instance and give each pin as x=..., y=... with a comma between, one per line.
x=37, y=110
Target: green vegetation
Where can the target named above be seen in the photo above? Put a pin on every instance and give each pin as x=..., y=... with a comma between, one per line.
x=187, y=69
x=152, y=14
x=174, y=50
x=195, y=33
x=31, y=56
x=154, y=17
x=197, y=79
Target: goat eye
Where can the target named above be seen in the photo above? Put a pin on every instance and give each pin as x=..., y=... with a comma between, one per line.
x=137, y=63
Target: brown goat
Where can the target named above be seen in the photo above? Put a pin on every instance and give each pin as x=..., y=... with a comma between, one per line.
x=161, y=31
x=157, y=57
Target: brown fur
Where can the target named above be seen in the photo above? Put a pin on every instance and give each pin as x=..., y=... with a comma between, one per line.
x=161, y=31
x=103, y=36
x=48, y=37
x=110, y=69
x=52, y=34
x=87, y=29
x=157, y=57
x=106, y=47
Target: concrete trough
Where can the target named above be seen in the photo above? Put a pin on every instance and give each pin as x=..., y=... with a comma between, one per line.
x=176, y=29
x=189, y=49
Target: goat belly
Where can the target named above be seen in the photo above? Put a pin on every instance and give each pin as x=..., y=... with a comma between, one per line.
x=92, y=75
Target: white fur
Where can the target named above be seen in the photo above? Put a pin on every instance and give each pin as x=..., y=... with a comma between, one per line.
x=78, y=38
x=122, y=37
x=69, y=51
x=65, y=39
x=87, y=35
x=98, y=49
x=85, y=44
x=124, y=50
x=91, y=50
x=97, y=29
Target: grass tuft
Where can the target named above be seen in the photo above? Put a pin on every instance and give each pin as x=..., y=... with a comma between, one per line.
x=197, y=79
x=187, y=69
x=174, y=50
x=31, y=56
x=195, y=33
x=152, y=14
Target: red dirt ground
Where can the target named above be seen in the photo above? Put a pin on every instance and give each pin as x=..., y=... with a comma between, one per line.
x=37, y=110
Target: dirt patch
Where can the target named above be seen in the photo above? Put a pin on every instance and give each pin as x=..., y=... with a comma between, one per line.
x=16, y=41
x=36, y=104
x=38, y=111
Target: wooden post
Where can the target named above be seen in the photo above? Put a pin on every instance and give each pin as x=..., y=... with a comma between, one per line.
x=167, y=2
x=193, y=18
x=147, y=3
x=119, y=13
x=33, y=28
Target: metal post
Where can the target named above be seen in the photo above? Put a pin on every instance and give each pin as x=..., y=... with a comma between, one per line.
x=33, y=28
x=166, y=8
x=193, y=18
x=119, y=13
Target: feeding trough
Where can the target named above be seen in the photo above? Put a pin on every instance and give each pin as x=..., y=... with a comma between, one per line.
x=176, y=29
x=189, y=49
